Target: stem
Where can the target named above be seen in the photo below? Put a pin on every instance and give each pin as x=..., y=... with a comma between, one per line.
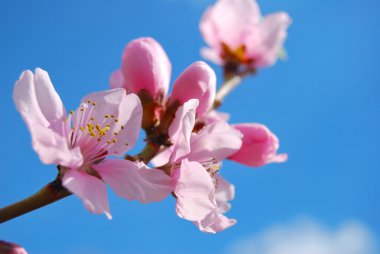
x=50, y=193
x=226, y=88
x=230, y=82
x=149, y=151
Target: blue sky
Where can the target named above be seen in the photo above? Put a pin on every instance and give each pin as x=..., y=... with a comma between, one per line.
x=323, y=104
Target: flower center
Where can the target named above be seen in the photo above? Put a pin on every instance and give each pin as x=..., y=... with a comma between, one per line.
x=212, y=166
x=237, y=55
x=95, y=134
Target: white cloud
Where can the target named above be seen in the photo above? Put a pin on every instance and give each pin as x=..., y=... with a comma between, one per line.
x=308, y=237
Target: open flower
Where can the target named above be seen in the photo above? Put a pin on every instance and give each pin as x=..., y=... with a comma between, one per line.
x=194, y=161
x=105, y=124
x=237, y=34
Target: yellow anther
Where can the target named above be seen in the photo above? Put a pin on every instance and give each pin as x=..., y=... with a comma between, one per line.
x=122, y=127
x=74, y=127
x=82, y=128
x=98, y=139
x=90, y=127
x=114, y=140
x=102, y=132
x=115, y=133
x=71, y=112
x=82, y=109
x=92, y=119
x=94, y=104
x=89, y=101
x=116, y=120
x=108, y=141
x=112, y=116
x=107, y=116
x=107, y=125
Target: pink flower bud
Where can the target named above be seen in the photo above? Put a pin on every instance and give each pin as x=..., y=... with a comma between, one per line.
x=145, y=65
x=11, y=248
x=198, y=81
x=259, y=146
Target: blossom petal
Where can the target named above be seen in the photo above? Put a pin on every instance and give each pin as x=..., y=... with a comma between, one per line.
x=25, y=98
x=130, y=117
x=145, y=65
x=53, y=149
x=135, y=181
x=228, y=21
x=215, y=222
x=42, y=110
x=212, y=55
x=49, y=101
x=218, y=140
x=194, y=190
x=198, y=81
x=181, y=128
x=224, y=193
x=106, y=103
x=272, y=33
x=37, y=100
x=214, y=116
x=259, y=146
x=89, y=189
x=162, y=158
x=117, y=79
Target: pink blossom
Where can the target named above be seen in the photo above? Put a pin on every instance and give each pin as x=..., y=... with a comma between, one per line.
x=236, y=32
x=11, y=248
x=145, y=65
x=213, y=116
x=194, y=160
x=105, y=124
x=216, y=221
x=194, y=191
x=198, y=81
x=259, y=146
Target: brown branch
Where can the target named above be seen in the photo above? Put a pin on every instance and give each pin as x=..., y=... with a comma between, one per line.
x=50, y=193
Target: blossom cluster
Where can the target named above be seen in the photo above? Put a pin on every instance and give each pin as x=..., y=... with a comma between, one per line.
x=187, y=138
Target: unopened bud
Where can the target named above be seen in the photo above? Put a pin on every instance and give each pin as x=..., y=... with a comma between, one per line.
x=198, y=81
x=11, y=248
x=259, y=146
x=145, y=66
